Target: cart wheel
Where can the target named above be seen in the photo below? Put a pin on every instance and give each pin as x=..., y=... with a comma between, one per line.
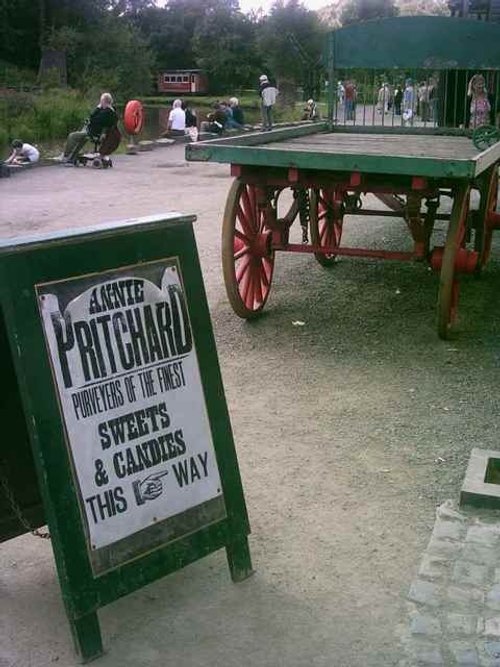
x=327, y=215
x=247, y=257
x=484, y=233
x=448, y=282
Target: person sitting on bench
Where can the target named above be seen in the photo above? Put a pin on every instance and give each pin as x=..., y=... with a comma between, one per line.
x=216, y=120
x=22, y=153
x=101, y=120
x=176, y=124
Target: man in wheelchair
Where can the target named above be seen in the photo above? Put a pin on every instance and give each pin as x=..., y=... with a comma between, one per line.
x=101, y=128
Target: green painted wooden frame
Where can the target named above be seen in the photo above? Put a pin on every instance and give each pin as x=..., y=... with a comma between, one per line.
x=53, y=257
x=412, y=43
x=248, y=150
x=415, y=42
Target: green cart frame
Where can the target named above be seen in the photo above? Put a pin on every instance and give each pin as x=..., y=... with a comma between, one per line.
x=328, y=167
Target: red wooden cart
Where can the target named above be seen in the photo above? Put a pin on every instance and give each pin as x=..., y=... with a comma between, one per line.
x=413, y=164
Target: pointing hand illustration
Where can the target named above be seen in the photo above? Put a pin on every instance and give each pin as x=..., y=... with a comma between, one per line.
x=149, y=488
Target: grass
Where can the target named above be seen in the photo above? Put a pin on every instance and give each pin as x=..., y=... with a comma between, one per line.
x=247, y=100
x=38, y=117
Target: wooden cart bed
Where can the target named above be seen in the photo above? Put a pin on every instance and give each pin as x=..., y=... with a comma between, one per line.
x=304, y=147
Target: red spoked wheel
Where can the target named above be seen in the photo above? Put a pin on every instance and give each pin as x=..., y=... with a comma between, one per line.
x=247, y=255
x=484, y=231
x=133, y=117
x=449, y=286
x=327, y=215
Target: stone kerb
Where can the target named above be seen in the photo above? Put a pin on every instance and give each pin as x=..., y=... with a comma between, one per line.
x=454, y=601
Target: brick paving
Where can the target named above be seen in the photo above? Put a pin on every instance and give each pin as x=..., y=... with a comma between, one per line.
x=454, y=602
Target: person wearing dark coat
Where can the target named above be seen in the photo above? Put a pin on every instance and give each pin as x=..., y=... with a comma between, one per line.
x=102, y=119
x=398, y=100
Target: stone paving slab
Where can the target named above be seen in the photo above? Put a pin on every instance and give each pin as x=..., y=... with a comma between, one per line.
x=454, y=601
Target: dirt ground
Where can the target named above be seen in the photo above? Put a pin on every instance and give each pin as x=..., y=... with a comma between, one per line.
x=350, y=430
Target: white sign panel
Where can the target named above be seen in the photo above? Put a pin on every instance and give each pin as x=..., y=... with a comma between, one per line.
x=125, y=366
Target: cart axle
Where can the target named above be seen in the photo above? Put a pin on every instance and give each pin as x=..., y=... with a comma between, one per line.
x=349, y=252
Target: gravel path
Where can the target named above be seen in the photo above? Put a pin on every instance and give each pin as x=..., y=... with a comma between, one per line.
x=350, y=431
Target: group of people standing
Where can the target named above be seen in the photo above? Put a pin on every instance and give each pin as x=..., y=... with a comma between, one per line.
x=412, y=100
x=409, y=100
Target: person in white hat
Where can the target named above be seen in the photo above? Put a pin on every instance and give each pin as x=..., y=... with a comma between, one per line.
x=268, y=94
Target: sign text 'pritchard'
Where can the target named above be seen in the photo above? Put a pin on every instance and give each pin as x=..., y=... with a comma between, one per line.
x=123, y=332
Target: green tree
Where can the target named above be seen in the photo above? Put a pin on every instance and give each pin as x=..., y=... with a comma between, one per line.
x=365, y=10
x=291, y=41
x=115, y=57
x=224, y=45
x=169, y=33
x=20, y=32
x=129, y=8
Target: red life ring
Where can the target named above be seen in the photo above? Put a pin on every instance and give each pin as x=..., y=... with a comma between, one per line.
x=133, y=117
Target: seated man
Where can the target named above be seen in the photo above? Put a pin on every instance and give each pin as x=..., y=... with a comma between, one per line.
x=176, y=125
x=101, y=120
x=22, y=154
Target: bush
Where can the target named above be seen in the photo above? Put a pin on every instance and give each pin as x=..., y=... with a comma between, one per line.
x=4, y=139
x=25, y=133
x=46, y=116
x=12, y=76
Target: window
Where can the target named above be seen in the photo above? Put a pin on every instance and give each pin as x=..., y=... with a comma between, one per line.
x=185, y=78
x=179, y=79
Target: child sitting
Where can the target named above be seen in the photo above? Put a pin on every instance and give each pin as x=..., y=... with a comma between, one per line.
x=22, y=153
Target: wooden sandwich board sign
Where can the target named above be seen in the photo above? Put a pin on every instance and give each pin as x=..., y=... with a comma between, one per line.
x=115, y=361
